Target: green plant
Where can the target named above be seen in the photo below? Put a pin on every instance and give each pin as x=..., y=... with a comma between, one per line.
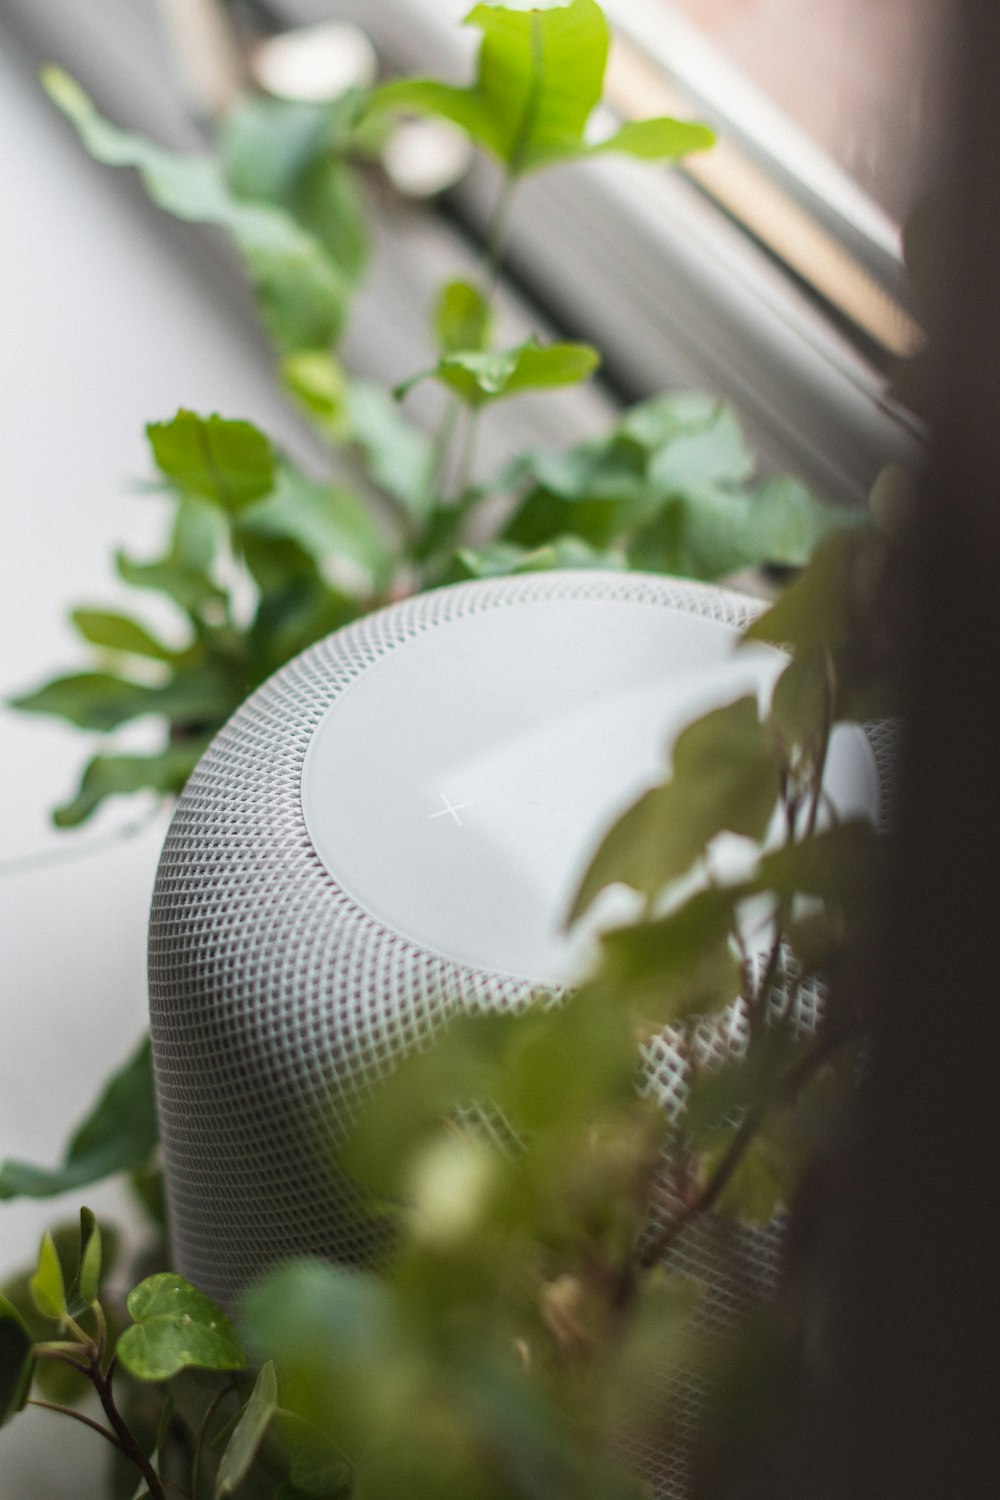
x=495, y=1353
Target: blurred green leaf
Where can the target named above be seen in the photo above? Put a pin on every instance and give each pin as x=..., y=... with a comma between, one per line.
x=756, y=1191
x=462, y=318
x=302, y=293
x=317, y=382
x=326, y=521
x=297, y=605
x=661, y=139
x=48, y=1288
x=813, y=614
x=229, y=463
x=540, y=74
x=724, y=778
x=119, y=1133
x=835, y=864
x=86, y=1283
x=481, y=378
x=104, y=776
x=400, y=456
x=678, y=965
x=249, y=1432
x=102, y=701
x=115, y=632
x=501, y=559
x=184, y=572
x=16, y=1360
x=175, y=1326
x=291, y=155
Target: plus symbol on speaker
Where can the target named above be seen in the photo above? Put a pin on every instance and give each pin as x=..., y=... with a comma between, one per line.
x=450, y=809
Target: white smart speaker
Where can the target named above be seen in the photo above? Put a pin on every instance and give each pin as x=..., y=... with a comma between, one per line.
x=389, y=832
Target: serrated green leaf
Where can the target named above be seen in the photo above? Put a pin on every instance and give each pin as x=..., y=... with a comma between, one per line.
x=462, y=318
x=481, y=378
x=248, y=1434
x=165, y=771
x=116, y=632
x=175, y=1326
x=16, y=1360
x=301, y=292
x=229, y=463
x=118, y=1134
x=724, y=778
x=48, y=1289
x=328, y=522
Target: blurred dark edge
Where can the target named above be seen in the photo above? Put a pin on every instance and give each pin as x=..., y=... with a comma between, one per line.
x=902, y=1243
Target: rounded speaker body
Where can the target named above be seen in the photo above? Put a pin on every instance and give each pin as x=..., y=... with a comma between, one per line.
x=389, y=832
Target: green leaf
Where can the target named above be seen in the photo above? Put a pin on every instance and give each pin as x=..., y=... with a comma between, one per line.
x=16, y=1360
x=229, y=463
x=400, y=456
x=814, y=612
x=678, y=965
x=835, y=865
x=540, y=73
x=118, y=1134
x=724, y=778
x=481, y=378
x=175, y=1326
x=163, y=771
x=318, y=383
x=302, y=293
x=115, y=632
x=661, y=139
x=291, y=156
x=329, y=523
x=102, y=701
x=184, y=572
x=48, y=1290
x=87, y=1282
x=756, y=1191
x=501, y=559
x=249, y=1432
x=90, y=700
x=462, y=318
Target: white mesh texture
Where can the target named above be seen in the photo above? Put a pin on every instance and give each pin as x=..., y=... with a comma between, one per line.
x=276, y=1001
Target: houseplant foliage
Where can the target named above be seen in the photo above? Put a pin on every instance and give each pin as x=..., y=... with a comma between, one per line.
x=530, y=1310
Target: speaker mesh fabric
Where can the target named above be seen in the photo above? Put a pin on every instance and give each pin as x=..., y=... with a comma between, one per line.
x=277, y=1001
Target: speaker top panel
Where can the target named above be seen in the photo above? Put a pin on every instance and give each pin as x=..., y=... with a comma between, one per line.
x=456, y=788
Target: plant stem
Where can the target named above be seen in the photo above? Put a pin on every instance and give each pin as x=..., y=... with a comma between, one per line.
x=466, y=456
x=784, y=1093
x=78, y=1416
x=129, y=1447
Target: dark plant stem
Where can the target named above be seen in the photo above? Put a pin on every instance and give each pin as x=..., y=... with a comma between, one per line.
x=126, y=1441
